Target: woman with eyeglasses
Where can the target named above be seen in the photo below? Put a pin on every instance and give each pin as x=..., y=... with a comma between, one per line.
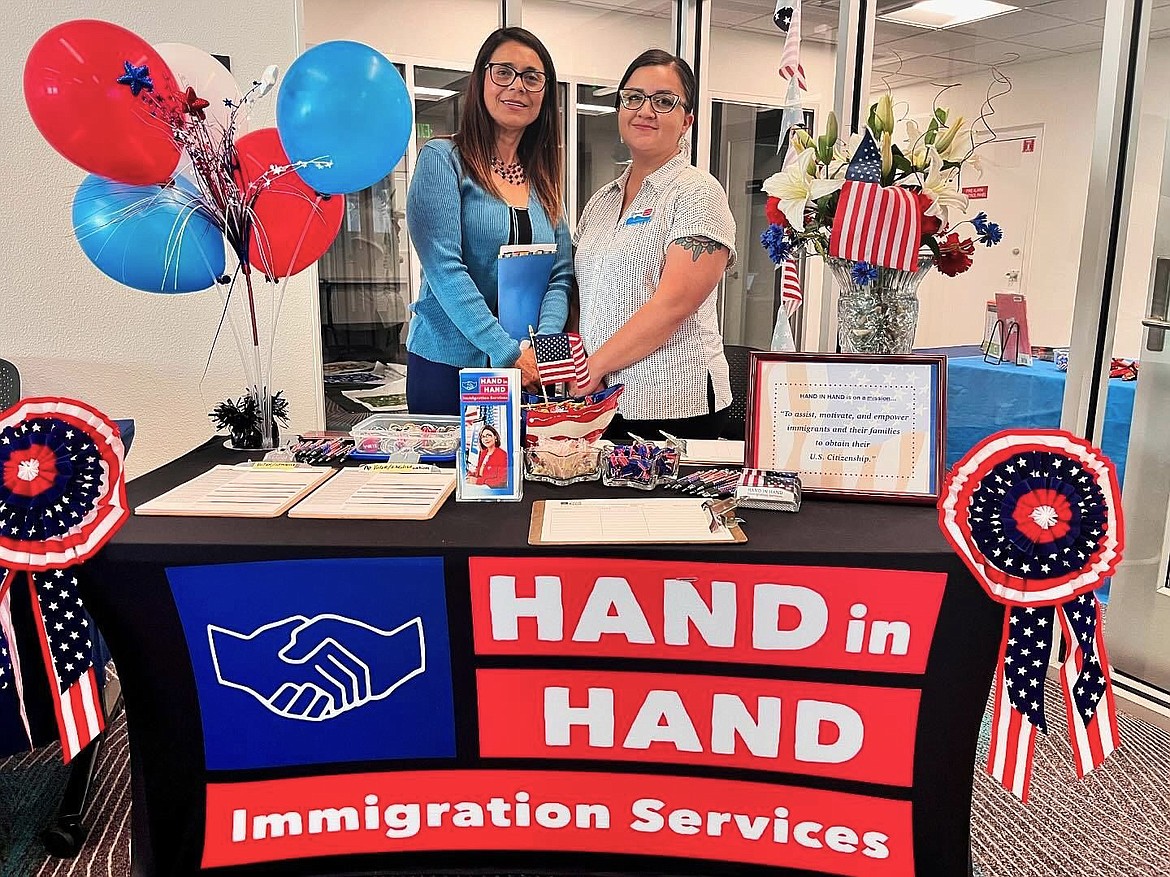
x=496, y=182
x=651, y=247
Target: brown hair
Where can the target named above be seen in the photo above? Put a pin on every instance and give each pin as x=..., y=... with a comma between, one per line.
x=540, y=146
x=661, y=58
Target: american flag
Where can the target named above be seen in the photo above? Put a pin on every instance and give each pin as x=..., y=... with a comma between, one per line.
x=561, y=357
x=67, y=643
x=875, y=223
x=790, y=66
x=1018, y=711
x=1084, y=676
x=790, y=292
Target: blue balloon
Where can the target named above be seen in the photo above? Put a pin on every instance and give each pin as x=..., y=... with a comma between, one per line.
x=346, y=103
x=153, y=238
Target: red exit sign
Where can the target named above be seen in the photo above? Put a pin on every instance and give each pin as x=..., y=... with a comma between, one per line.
x=1030, y=144
x=975, y=192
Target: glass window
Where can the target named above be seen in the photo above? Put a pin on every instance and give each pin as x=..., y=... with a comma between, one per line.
x=744, y=139
x=748, y=96
x=364, y=284
x=1033, y=123
x=601, y=156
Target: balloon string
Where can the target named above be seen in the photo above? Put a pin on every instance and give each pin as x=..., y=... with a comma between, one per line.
x=284, y=282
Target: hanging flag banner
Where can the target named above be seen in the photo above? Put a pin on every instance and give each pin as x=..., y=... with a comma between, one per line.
x=1036, y=516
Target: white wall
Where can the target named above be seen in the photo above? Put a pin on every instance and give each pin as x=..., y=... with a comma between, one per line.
x=69, y=329
x=441, y=30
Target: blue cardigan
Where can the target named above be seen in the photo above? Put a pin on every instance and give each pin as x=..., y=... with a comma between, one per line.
x=457, y=229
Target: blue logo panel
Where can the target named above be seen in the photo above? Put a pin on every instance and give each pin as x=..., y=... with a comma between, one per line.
x=305, y=662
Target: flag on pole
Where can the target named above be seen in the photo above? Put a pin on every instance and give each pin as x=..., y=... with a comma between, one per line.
x=791, y=294
x=790, y=66
x=875, y=223
x=791, y=119
x=782, y=16
x=561, y=357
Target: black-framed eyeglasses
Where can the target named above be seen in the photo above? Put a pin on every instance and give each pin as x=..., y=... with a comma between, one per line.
x=661, y=102
x=504, y=75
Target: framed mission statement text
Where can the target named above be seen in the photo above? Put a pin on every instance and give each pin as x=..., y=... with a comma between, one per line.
x=870, y=427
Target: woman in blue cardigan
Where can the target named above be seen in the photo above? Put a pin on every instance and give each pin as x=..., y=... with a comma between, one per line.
x=496, y=182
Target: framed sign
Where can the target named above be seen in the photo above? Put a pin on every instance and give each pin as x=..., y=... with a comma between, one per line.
x=866, y=427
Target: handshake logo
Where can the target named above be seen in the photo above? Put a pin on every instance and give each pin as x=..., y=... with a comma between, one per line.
x=317, y=668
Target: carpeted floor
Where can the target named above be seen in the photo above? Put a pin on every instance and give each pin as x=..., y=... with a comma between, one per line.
x=1114, y=823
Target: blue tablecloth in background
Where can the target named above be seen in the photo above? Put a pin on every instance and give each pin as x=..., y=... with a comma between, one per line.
x=984, y=398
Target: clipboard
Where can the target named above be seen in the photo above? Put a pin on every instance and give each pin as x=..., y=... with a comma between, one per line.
x=379, y=495
x=722, y=529
x=239, y=491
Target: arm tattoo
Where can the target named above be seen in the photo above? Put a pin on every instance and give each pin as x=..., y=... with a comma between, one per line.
x=699, y=245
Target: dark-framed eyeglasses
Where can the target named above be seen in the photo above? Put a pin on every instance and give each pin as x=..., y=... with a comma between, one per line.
x=504, y=75
x=661, y=102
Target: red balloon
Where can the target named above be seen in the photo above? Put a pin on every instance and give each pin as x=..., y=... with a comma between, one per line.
x=72, y=91
x=294, y=225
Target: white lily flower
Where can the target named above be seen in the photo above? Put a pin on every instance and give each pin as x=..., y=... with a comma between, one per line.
x=915, y=149
x=796, y=185
x=939, y=187
x=843, y=152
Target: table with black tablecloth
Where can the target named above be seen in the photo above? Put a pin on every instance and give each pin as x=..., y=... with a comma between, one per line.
x=212, y=746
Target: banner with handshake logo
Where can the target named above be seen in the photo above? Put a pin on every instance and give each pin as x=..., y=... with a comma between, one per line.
x=359, y=669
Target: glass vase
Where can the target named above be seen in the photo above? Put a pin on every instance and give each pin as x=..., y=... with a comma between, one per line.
x=881, y=316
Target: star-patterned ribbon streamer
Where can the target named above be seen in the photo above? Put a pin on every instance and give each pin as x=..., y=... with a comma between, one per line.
x=1036, y=517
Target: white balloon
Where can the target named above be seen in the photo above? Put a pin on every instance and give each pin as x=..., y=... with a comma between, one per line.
x=195, y=68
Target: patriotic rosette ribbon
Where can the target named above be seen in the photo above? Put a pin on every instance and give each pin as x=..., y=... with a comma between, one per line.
x=1036, y=516
x=62, y=496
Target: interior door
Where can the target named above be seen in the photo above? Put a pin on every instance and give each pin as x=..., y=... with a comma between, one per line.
x=953, y=309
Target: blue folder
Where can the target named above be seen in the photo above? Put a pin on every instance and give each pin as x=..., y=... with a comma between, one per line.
x=523, y=281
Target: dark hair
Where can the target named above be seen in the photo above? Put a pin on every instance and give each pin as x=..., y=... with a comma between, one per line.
x=662, y=58
x=540, y=146
x=492, y=430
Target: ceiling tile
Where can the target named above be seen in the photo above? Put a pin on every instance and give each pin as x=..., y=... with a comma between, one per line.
x=1073, y=10
x=1087, y=47
x=999, y=53
x=924, y=65
x=930, y=42
x=730, y=18
x=887, y=31
x=1010, y=26
x=1160, y=18
x=1064, y=39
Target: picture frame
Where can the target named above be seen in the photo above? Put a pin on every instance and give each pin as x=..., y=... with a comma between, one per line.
x=852, y=426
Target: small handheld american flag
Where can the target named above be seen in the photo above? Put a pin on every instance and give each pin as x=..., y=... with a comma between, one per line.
x=875, y=223
x=791, y=295
x=561, y=357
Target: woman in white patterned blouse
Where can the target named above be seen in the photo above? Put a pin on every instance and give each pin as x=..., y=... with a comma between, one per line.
x=651, y=248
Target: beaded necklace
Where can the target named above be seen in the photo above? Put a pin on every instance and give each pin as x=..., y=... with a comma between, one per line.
x=510, y=173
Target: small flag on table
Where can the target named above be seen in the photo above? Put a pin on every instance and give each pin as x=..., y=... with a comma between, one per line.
x=875, y=223
x=561, y=357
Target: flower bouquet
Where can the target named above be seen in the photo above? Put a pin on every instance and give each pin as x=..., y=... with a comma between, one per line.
x=881, y=214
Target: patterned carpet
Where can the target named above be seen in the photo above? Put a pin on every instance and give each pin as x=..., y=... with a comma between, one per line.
x=1114, y=823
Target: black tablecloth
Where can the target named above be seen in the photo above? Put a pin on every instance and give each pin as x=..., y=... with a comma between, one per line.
x=127, y=591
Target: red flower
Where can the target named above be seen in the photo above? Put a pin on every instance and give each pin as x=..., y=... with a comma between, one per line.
x=774, y=214
x=954, y=255
x=930, y=224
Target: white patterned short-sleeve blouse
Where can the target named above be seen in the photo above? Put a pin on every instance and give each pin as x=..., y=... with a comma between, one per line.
x=619, y=262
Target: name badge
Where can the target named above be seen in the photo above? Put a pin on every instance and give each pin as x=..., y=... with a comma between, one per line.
x=639, y=218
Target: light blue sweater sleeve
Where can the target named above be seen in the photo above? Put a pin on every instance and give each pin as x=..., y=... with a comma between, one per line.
x=554, y=309
x=434, y=216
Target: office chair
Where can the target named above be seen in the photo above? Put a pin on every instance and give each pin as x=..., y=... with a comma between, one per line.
x=9, y=384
